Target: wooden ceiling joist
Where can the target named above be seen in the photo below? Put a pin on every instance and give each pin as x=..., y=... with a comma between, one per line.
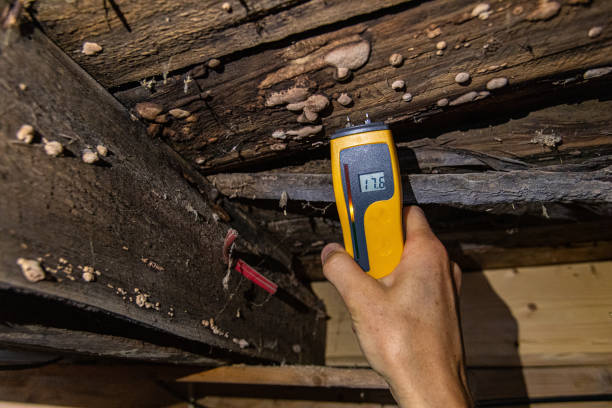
x=98, y=216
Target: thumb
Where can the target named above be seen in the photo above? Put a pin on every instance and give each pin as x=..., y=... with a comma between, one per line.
x=343, y=272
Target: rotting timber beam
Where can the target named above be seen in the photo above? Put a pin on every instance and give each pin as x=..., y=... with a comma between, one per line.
x=120, y=231
x=228, y=121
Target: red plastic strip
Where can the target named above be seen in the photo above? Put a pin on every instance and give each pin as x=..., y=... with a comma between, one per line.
x=255, y=277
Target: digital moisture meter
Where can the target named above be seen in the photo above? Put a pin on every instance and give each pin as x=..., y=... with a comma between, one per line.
x=368, y=191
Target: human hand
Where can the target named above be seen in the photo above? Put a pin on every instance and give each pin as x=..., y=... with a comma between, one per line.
x=407, y=322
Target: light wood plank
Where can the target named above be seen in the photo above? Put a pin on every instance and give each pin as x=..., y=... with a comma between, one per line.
x=556, y=315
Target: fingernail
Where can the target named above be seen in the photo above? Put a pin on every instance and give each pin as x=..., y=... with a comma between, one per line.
x=328, y=249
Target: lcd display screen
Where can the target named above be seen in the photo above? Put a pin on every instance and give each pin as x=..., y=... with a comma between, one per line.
x=372, y=182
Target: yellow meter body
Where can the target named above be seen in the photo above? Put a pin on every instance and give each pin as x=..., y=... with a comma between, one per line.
x=368, y=192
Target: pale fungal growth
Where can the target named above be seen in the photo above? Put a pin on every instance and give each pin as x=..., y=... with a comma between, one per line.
x=485, y=15
x=595, y=31
x=309, y=116
x=288, y=96
x=282, y=203
x=179, y=113
x=442, y=102
x=433, y=33
x=91, y=48
x=465, y=98
x=141, y=299
x=278, y=146
x=396, y=59
x=597, y=72
x=497, y=83
x=53, y=148
x=148, y=110
x=31, y=269
x=441, y=45
x=305, y=131
x=25, y=134
x=102, y=150
x=23, y=87
x=88, y=276
x=344, y=99
x=480, y=8
x=226, y=7
x=316, y=103
x=242, y=343
x=350, y=57
x=342, y=73
x=482, y=95
x=295, y=107
x=407, y=97
x=550, y=140
x=398, y=85
x=214, y=63
x=462, y=77
x=546, y=10
x=279, y=134
x=89, y=156
x=439, y=53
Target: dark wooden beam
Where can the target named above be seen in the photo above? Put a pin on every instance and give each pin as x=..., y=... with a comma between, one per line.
x=143, y=39
x=231, y=126
x=149, y=241
x=461, y=190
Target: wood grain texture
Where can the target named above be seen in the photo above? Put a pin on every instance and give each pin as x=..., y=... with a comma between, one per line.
x=234, y=128
x=160, y=36
x=132, y=217
x=538, y=316
x=462, y=190
x=495, y=384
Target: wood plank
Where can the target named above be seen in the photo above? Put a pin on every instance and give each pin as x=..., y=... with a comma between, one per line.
x=229, y=402
x=537, y=316
x=464, y=190
x=153, y=240
x=165, y=37
x=86, y=384
x=496, y=384
x=234, y=128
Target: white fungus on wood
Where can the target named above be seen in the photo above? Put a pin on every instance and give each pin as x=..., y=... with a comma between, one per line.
x=597, y=72
x=546, y=10
x=398, y=85
x=480, y=8
x=350, y=56
x=305, y=131
x=53, y=148
x=309, y=115
x=91, y=48
x=88, y=276
x=31, y=269
x=148, y=110
x=440, y=45
x=89, y=156
x=316, y=103
x=25, y=134
x=465, y=98
x=287, y=96
x=595, y=31
x=279, y=134
x=396, y=59
x=214, y=63
x=342, y=73
x=102, y=150
x=179, y=113
x=407, y=97
x=226, y=7
x=344, y=99
x=497, y=83
x=462, y=77
x=295, y=107
x=442, y=102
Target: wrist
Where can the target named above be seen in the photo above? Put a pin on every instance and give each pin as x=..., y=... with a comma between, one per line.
x=429, y=389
